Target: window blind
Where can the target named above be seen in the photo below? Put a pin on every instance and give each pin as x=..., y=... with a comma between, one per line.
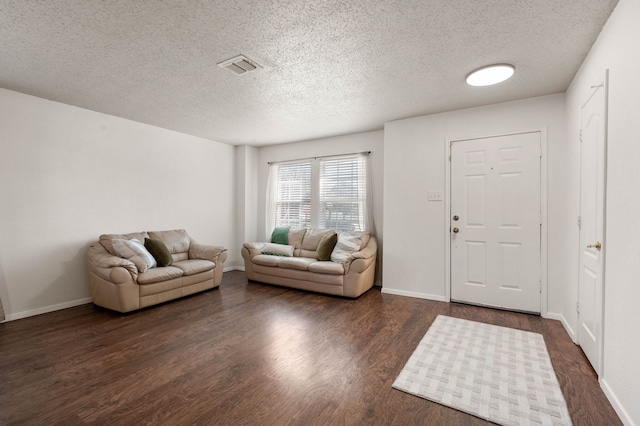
x=322, y=192
x=342, y=186
x=293, y=195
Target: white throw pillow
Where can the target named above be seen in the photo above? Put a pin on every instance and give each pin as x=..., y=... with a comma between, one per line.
x=277, y=249
x=347, y=244
x=135, y=251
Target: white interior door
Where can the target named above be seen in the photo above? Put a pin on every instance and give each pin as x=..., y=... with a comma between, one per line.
x=592, y=188
x=495, y=221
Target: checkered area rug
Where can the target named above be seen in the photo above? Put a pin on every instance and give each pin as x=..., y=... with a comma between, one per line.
x=495, y=373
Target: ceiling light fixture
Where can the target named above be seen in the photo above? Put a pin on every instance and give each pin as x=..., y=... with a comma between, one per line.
x=491, y=74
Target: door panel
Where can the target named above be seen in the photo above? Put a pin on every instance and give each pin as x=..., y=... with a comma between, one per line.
x=495, y=191
x=475, y=192
x=510, y=208
x=476, y=261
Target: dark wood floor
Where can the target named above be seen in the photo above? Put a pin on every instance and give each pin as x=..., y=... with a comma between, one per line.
x=249, y=353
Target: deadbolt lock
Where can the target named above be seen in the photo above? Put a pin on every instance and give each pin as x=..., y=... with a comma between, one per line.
x=456, y=217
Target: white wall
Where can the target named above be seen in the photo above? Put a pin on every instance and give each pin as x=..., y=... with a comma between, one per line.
x=358, y=142
x=414, y=164
x=68, y=175
x=247, y=197
x=617, y=50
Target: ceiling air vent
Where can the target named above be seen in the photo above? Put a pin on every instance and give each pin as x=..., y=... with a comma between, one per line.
x=239, y=65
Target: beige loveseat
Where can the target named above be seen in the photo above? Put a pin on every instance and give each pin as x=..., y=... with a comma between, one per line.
x=349, y=277
x=117, y=283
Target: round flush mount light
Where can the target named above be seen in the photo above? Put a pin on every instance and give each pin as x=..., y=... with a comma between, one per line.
x=492, y=74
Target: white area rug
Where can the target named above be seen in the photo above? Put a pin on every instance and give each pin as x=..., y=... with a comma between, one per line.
x=495, y=373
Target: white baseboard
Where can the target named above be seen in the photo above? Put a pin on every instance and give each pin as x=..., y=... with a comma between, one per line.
x=47, y=309
x=233, y=268
x=615, y=403
x=71, y=304
x=565, y=324
x=413, y=294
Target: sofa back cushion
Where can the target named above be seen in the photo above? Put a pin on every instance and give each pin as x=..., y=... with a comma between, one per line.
x=311, y=240
x=295, y=239
x=176, y=241
x=106, y=240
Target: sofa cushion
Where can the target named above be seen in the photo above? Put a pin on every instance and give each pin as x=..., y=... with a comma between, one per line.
x=326, y=245
x=280, y=235
x=134, y=251
x=265, y=260
x=312, y=238
x=176, y=241
x=159, y=251
x=194, y=266
x=156, y=275
x=295, y=238
x=105, y=239
x=348, y=243
x=327, y=267
x=299, y=263
x=277, y=249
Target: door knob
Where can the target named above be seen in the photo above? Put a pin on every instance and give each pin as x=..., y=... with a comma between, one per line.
x=595, y=246
x=456, y=230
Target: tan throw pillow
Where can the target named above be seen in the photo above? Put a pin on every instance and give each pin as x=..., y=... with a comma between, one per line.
x=325, y=247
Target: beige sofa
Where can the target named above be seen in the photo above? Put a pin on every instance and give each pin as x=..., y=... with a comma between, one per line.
x=116, y=283
x=350, y=278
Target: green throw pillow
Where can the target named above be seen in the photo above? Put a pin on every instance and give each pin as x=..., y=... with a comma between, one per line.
x=280, y=235
x=159, y=251
x=325, y=247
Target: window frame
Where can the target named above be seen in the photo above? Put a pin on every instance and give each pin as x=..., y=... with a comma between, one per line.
x=316, y=219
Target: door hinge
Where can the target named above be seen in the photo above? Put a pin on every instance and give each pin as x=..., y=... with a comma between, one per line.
x=578, y=306
x=540, y=283
x=579, y=221
x=580, y=135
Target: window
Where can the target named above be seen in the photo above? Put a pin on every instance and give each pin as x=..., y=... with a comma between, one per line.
x=327, y=193
x=340, y=189
x=293, y=195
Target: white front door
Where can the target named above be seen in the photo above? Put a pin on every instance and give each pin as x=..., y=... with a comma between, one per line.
x=495, y=221
x=592, y=173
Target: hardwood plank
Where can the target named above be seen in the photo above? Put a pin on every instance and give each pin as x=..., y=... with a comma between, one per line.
x=249, y=353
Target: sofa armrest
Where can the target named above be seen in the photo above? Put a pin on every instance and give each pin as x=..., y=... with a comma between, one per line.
x=369, y=251
x=362, y=258
x=111, y=268
x=254, y=249
x=206, y=252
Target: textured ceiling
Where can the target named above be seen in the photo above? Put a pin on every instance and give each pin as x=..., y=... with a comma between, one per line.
x=329, y=67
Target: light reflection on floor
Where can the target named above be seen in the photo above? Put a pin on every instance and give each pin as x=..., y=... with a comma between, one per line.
x=298, y=356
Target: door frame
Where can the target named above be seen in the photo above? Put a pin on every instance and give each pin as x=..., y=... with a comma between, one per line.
x=543, y=208
x=603, y=253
